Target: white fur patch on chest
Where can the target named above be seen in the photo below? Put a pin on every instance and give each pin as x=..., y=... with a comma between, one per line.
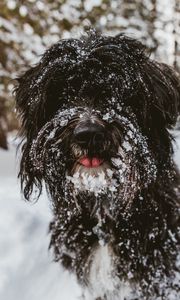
x=103, y=281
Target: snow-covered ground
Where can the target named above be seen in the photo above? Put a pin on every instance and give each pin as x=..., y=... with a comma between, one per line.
x=26, y=268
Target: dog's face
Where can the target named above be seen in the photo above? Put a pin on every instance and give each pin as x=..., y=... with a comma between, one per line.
x=95, y=114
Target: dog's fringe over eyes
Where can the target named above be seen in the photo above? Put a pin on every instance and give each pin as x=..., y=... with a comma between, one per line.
x=96, y=117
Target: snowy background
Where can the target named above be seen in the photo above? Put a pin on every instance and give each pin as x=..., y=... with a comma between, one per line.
x=26, y=268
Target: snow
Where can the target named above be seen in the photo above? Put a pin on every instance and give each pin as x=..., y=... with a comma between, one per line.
x=33, y=26
x=26, y=268
x=88, y=5
x=94, y=180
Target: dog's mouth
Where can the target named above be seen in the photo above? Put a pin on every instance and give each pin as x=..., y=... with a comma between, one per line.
x=91, y=162
x=88, y=160
x=92, y=173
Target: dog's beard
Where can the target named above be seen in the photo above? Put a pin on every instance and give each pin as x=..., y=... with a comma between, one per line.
x=104, y=190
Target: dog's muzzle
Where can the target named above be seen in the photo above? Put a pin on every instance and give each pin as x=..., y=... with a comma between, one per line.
x=90, y=135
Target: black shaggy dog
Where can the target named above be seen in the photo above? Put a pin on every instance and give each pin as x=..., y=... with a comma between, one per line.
x=96, y=117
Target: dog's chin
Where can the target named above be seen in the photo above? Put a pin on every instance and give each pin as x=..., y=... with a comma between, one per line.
x=93, y=179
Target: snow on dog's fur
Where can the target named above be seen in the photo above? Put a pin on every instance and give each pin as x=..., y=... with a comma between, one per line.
x=96, y=114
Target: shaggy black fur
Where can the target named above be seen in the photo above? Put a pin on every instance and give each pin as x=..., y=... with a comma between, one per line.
x=136, y=100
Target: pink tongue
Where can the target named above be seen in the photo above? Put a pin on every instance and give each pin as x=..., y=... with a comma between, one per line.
x=91, y=162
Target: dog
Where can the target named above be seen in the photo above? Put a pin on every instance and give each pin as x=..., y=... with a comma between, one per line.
x=97, y=117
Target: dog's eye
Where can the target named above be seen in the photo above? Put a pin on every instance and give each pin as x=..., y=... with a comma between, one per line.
x=117, y=125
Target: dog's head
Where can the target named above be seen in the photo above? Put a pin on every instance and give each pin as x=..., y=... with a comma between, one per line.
x=95, y=115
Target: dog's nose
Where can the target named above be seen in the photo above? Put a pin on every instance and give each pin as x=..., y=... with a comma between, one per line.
x=89, y=134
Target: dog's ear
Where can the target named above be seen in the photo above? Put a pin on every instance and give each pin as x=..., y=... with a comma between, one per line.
x=28, y=104
x=164, y=84
x=27, y=98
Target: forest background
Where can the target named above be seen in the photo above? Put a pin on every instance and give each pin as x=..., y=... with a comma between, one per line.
x=28, y=27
